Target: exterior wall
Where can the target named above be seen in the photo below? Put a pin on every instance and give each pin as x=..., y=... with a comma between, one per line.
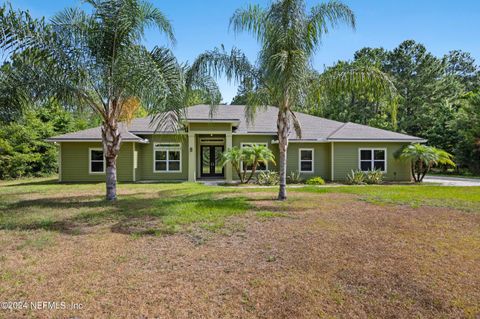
x=75, y=159
x=210, y=127
x=145, y=158
x=75, y=162
x=321, y=159
x=346, y=158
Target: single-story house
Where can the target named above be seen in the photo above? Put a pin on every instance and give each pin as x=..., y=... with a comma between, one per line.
x=327, y=148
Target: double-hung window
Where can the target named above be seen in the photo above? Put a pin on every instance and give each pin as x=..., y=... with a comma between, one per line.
x=261, y=166
x=305, y=160
x=167, y=157
x=96, y=163
x=373, y=159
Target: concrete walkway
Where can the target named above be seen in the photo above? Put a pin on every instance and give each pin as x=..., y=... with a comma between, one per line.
x=452, y=181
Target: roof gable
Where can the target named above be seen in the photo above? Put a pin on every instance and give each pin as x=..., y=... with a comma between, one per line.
x=264, y=122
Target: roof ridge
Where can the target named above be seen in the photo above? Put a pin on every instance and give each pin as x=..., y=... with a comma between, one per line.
x=337, y=129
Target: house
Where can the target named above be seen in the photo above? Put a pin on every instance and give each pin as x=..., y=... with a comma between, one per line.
x=327, y=148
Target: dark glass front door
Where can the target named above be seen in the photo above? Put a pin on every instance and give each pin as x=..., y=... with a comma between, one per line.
x=211, y=156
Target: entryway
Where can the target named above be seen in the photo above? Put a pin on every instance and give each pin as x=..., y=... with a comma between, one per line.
x=210, y=159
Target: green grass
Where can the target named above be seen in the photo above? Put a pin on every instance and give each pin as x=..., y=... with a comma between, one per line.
x=463, y=198
x=167, y=208
x=148, y=208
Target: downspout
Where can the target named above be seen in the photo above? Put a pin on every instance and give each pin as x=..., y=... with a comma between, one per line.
x=60, y=162
x=332, y=165
x=134, y=163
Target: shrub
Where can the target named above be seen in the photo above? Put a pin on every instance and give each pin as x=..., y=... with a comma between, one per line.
x=268, y=178
x=294, y=178
x=356, y=178
x=374, y=177
x=315, y=181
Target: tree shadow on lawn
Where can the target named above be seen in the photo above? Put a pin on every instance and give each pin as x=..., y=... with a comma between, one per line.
x=53, y=181
x=166, y=211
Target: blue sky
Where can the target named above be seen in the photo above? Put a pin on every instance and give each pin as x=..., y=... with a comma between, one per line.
x=199, y=25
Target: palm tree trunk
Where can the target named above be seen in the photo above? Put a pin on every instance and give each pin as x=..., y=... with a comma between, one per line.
x=111, y=148
x=254, y=169
x=283, y=130
x=425, y=171
x=412, y=167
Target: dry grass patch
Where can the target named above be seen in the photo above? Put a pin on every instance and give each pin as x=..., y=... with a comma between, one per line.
x=316, y=255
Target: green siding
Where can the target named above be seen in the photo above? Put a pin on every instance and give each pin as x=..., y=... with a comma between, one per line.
x=74, y=157
x=346, y=158
x=321, y=154
x=321, y=159
x=75, y=163
x=145, y=158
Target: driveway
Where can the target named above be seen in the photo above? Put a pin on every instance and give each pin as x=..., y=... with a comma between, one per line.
x=452, y=181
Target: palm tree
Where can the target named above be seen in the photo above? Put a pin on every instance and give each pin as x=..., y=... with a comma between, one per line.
x=95, y=57
x=235, y=156
x=423, y=158
x=255, y=155
x=289, y=37
x=250, y=156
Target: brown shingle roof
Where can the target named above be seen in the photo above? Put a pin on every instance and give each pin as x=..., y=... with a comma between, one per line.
x=95, y=134
x=265, y=122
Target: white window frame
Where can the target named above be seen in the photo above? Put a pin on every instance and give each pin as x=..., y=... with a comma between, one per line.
x=300, y=159
x=242, y=145
x=176, y=148
x=90, y=161
x=372, y=150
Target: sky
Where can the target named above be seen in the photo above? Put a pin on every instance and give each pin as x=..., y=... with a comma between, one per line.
x=200, y=25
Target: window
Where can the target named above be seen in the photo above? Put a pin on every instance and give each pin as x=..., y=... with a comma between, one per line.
x=305, y=160
x=97, y=161
x=167, y=157
x=373, y=159
x=260, y=166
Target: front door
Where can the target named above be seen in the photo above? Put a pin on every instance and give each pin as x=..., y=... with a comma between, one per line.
x=211, y=156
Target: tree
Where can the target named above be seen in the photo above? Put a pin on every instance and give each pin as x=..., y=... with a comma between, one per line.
x=247, y=158
x=234, y=156
x=467, y=126
x=95, y=58
x=289, y=36
x=23, y=150
x=432, y=96
x=255, y=155
x=423, y=158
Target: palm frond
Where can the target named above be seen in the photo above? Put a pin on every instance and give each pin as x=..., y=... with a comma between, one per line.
x=234, y=65
x=252, y=19
x=326, y=16
x=151, y=14
x=296, y=124
x=368, y=78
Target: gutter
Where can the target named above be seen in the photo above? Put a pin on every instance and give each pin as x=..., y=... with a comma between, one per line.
x=61, y=140
x=351, y=140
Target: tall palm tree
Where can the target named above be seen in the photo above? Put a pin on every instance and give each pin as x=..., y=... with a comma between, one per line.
x=95, y=57
x=289, y=36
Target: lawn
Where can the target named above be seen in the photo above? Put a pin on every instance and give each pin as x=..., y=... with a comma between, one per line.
x=188, y=250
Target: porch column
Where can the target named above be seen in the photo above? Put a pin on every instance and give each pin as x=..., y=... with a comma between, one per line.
x=192, y=165
x=228, y=167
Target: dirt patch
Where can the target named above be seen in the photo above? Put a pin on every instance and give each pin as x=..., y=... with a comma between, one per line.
x=335, y=257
